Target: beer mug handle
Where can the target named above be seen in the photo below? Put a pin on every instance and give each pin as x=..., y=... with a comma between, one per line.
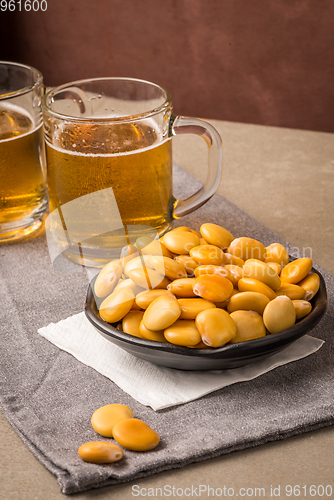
x=186, y=125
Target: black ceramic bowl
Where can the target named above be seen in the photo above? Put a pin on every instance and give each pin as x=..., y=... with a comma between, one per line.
x=222, y=358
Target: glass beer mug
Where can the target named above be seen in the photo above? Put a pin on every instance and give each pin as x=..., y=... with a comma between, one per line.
x=23, y=191
x=109, y=164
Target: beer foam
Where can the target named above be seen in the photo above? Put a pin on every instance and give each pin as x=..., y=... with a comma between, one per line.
x=4, y=106
x=148, y=122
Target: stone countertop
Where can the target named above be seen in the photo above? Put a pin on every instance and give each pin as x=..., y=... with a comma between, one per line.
x=285, y=179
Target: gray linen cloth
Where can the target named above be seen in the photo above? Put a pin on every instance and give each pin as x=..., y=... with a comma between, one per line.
x=48, y=396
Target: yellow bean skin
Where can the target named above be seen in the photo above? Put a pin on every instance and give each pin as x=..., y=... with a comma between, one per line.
x=213, y=288
x=117, y=305
x=135, y=307
x=191, y=307
x=248, y=301
x=157, y=336
x=216, y=327
x=277, y=253
x=128, y=283
x=168, y=267
x=216, y=235
x=134, y=434
x=188, y=263
x=162, y=313
x=144, y=299
x=100, y=452
x=236, y=273
x=279, y=314
x=261, y=271
x=310, y=285
x=105, y=418
x=294, y=292
x=249, y=326
x=247, y=248
x=131, y=321
x=183, y=332
x=108, y=278
x=195, y=232
x=296, y=271
x=223, y=305
x=202, y=241
x=180, y=242
x=302, y=308
x=208, y=254
x=129, y=252
x=182, y=228
x=148, y=278
x=182, y=288
x=212, y=270
x=138, y=263
x=253, y=285
x=275, y=266
x=232, y=259
x=150, y=246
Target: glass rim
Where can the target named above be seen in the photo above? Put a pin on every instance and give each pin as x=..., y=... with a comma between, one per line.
x=38, y=80
x=91, y=119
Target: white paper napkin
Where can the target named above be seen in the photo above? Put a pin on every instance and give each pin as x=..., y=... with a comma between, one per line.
x=152, y=385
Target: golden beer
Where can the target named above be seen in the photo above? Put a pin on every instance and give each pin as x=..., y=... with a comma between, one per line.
x=22, y=168
x=109, y=159
x=129, y=158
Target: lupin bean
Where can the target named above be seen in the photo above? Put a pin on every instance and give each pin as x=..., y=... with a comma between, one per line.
x=213, y=288
x=150, y=246
x=277, y=253
x=105, y=418
x=216, y=235
x=144, y=299
x=248, y=301
x=129, y=252
x=162, y=313
x=232, y=259
x=183, y=332
x=128, y=283
x=191, y=307
x=296, y=271
x=108, y=278
x=302, y=308
x=182, y=287
x=216, y=327
x=310, y=285
x=249, y=326
x=134, y=434
x=148, y=278
x=188, y=263
x=117, y=305
x=247, y=248
x=157, y=336
x=180, y=242
x=138, y=263
x=254, y=268
x=131, y=322
x=100, y=452
x=294, y=292
x=279, y=314
x=168, y=267
x=208, y=254
x=253, y=285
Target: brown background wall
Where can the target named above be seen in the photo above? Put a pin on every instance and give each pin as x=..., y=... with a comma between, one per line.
x=256, y=61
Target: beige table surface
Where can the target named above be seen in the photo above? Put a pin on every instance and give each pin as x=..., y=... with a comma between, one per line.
x=285, y=179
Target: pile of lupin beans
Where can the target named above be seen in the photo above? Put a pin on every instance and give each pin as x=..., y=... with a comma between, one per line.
x=117, y=421
x=204, y=289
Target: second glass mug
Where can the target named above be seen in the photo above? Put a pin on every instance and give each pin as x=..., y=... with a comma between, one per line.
x=109, y=162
